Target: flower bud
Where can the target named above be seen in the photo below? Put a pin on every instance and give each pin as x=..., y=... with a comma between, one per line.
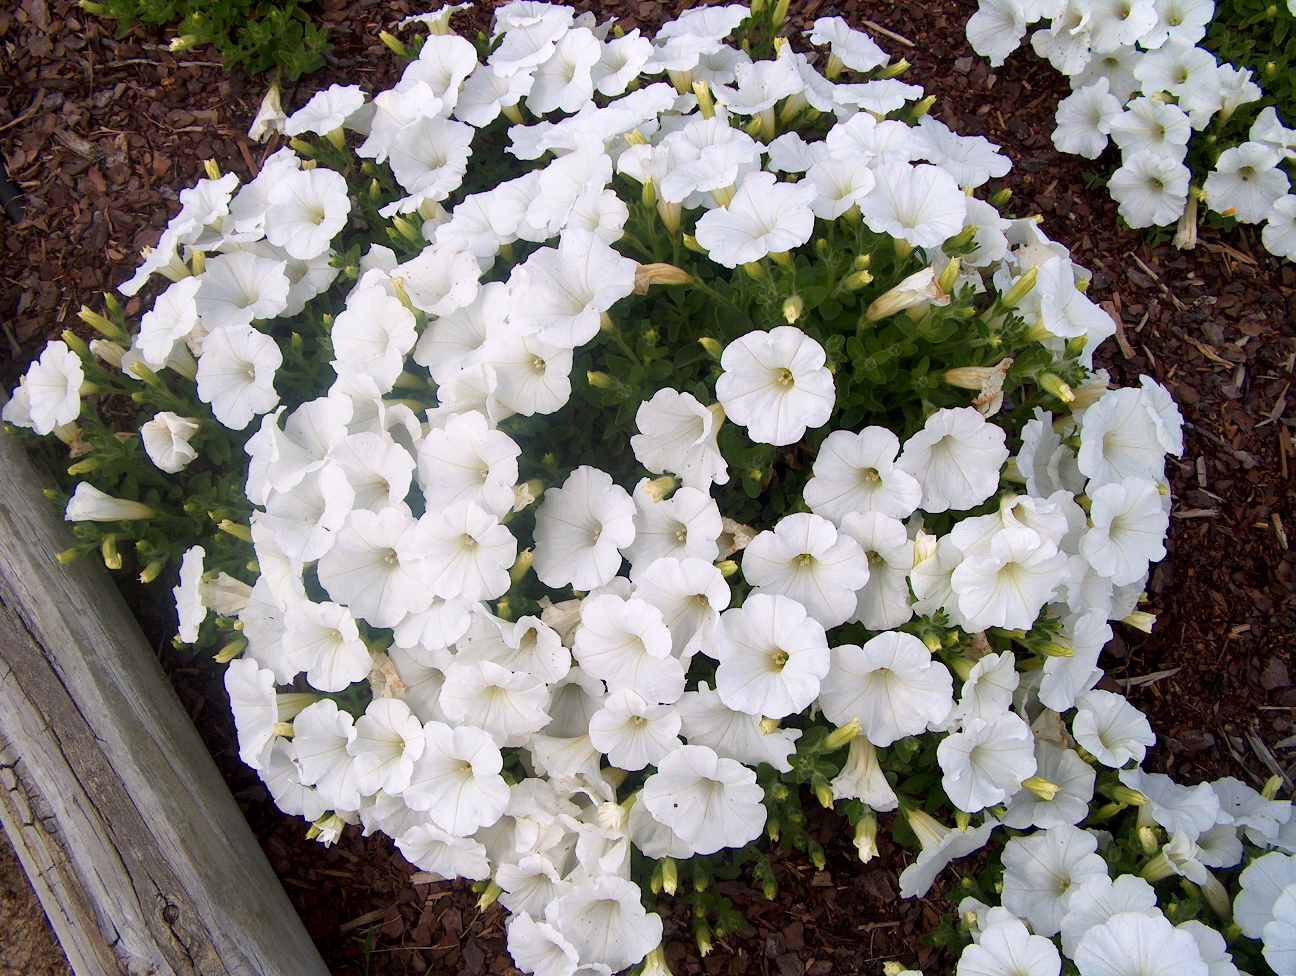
x=706, y=104
x=948, y=275
x=1021, y=288
x=1148, y=841
x=108, y=351
x=152, y=571
x=841, y=736
x=520, y=565
x=1055, y=649
x=918, y=288
x=866, y=837
x=85, y=467
x=894, y=70
x=235, y=529
x=236, y=646
x=601, y=380
x=727, y=567
x=858, y=279
x=1141, y=620
x=999, y=199
x=1054, y=384
x=659, y=488
x=659, y=273
x=923, y=107
x=1270, y=789
x=407, y=229
x=792, y=309
x=823, y=792
x=490, y=894
x=1042, y=788
x=111, y=557
x=97, y=321
x=198, y=261
x=669, y=875
x=712, y=346
x=89, y=504
x=395, y=45
x=769, y=726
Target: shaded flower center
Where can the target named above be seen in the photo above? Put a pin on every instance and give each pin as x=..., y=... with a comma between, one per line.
x=805, y=559
x=784, y=377
x=869, y=476
x=390, y=558
x=779, y=658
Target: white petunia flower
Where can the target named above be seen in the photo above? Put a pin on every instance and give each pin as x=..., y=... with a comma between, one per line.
x=633, y=733
x=1009, y=949
x=1119, y=440
x=862, y=778
x=537, y=947
x=776, y=385
x=684, y=526
x=532, y=376
x=1179, y=809
x=251, y=690
x=377, y=468
x=452, y=341
x=764, y=217
x=325, y=643
x=1097, y=899
x=772, y=659
x=920, y=204
x=1084, y=119
x=457, y=779
x=891, y=684
x=304, y=521
x=1135, y=944
x=940, y=846
x=467, y=461
x=625, y=643
x=1043, y=869
x=707, y=721
x=173, y=317
x=306, y=209
x=510, y=705
x=321, y=734
x=678, y=434
x=440, y=279
x=437, y=852
x=956, y=456
x=1112, y=729
x=166, y=440
x=996, y=29
x=971, y=160
x=466, y=553
x=1009, y=584
x=711, y=803
x=883, y=602
x=327, y=110
x=389, y=739
x=805, y=558
x=1246, y=182
x=1155, y=126
x=985, y=764
x=1243, y=806
x=606, y=923
x=856, y=472
x=375, y=567
x=236, y=374
x=1150, y=189
x=839, y=184
x=559, y=294
x=52, y=388
x=1129, y=525
x=1074, y=779
x=890, y=142
x=853, y=48
x=691, y=595
x=190, y=606
x=240, y=287
x=580, y=530
x=1213, y=948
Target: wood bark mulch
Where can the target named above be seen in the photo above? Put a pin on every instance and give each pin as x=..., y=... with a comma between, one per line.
x=102, y=135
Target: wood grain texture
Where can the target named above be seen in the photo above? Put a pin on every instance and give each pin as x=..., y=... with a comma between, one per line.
x=129, y=835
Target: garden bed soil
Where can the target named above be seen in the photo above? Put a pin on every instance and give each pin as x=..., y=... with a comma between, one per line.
x=102, y=134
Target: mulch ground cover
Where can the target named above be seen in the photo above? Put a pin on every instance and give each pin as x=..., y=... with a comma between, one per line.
x=102, y=134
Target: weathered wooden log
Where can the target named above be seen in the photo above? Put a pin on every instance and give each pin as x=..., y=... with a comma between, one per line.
x=122, y=822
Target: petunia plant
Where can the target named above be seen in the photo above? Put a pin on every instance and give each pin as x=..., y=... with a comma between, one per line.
x=592, y=446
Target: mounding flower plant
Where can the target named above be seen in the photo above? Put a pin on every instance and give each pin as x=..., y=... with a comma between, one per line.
x=1143, y=78
x=579, y=448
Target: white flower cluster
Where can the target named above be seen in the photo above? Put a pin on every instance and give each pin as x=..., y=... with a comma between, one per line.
x=634, y=707
x=1140, y=79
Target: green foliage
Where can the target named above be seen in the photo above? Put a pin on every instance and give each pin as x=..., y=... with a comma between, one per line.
x=255, y=35
x=1259, y=35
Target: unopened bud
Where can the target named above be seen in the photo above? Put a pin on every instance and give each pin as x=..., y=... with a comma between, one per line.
x=212, y=169
x=1021, y=288
x=712, y=346
x=520, y=565
x=491, y=892
x=823, y=792
x=601, y=380
x=1042, y=788
x=659, y=273
x=894, y=70
x=1271, y=787
x=1054, y=384
x=727, y=567
x=659, y=488
x=866, y=837
x=1148, y=840
x=841, y=736
x=691, y=243
x=395, y=45
x=111, y=557
x=769, y=726
x=858, y=279
x=151, y=571
x=235, y=529
x=923, y=107
x=183, y=43
x=97, y=321
x=999, y=199
x=792, y=309
x=706, y=104
x=1055, y=649
x=85, y=467
x=407, y=229
x=236, y=646
x=1141, y=620
x=948, y=275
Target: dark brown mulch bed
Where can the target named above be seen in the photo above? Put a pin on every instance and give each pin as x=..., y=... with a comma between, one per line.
x=102, y=135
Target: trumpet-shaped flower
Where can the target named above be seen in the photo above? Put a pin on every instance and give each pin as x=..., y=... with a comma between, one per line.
x=537, y=947
x=1179, y=809
x=691, y=594
x=559, y=294
x=1084, y=119
x=321, y=734
x=678, y=434
x=256, y=711
x=940, y=845
x=1119, y=440
x=1262, y=883
x=510, y=705
x=853, y=48
x=1135, y=944
x=325, y=643
x=862, y=778
x=1247, y=181
x=856, y=472
x=166, y=440
x=173, y=317
x=684, y=526
x=606, y=923
x=1150, y=188
x=532, y=375
x=956, y=456
x=378, y=469
x=452, y=341
x=580, y=530
x=891, y=684
x=457, y=779
x=1099, y=898
x=1074, y=779
x=1129, y=524
x=304, y=522
x=376, y=567
x=971, y=160
x=711, y=803
x=1112, y=729
x=764, y=217
x=437, y=852
x=996, y=29
x=306, y=210
x=236, y=374
x=920, y=204
x=467, y=461
x=1043, y=869
x=985, y=764
x=707, y=721
x=776, y=385
x=883, y=602
x=190, y=606
x=633, y=733
x=805, y=558
x=1147, y=124
x=240, y=287
x=1011, y=582
x=1009, y=949
x=428, y=158
x=626, y=644
x=773, y=657
x=388, y=740
x=466, y=552
x=327, y=110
